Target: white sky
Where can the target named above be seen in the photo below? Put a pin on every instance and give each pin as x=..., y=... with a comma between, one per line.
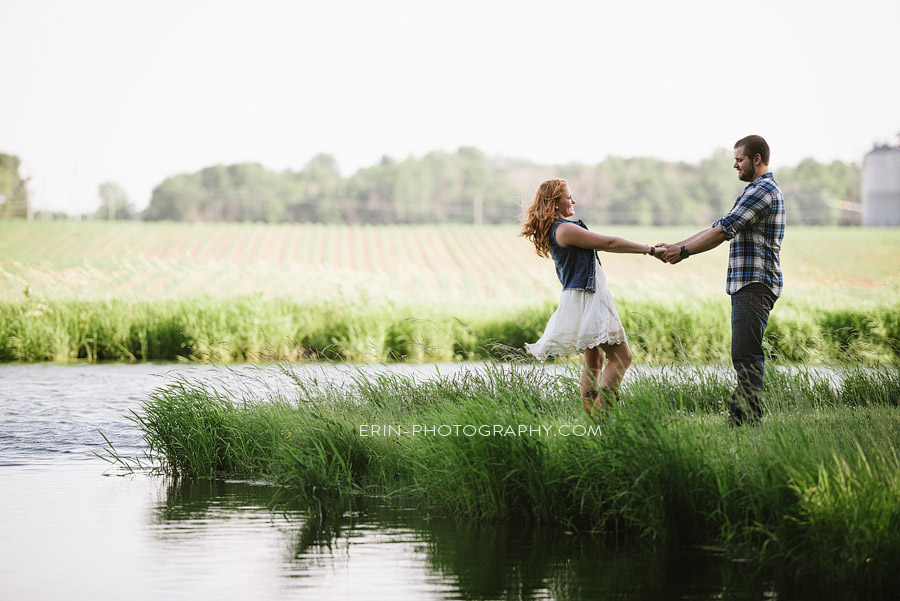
x=135, y=91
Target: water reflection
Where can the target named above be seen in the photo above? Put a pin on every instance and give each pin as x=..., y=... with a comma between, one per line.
x=386, y=552
x=507, y=561
x=287, y=550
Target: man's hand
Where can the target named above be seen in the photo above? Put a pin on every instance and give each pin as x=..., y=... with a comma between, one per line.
x=658, y=250
x=672, y=254
x=661, y=248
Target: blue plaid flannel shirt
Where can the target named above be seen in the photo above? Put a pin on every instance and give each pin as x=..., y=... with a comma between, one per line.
x=755, y=226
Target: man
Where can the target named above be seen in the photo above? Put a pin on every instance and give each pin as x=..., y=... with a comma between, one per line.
x=755, y=227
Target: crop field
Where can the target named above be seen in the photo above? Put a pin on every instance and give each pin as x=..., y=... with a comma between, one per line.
x=443, y=265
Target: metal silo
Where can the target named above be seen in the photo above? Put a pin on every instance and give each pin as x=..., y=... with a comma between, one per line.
x=881, y=187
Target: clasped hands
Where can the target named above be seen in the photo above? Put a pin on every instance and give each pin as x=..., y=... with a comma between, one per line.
x=667, y=253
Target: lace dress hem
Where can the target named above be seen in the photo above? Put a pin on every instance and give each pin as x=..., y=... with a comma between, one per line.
x=564, y=350
x=583, y=319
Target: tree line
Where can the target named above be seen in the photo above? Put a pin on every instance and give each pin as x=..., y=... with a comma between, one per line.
x=467, y=186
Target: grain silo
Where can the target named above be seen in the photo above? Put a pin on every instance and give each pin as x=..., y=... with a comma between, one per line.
x=881, y=187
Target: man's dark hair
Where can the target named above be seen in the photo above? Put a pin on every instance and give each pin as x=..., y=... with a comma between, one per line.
x=754, y=145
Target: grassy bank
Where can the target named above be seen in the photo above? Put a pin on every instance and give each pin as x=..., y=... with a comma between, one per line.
x=254, y=328
x=814, y=491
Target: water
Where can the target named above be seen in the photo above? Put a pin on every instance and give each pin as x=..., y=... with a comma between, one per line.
x=75, y=527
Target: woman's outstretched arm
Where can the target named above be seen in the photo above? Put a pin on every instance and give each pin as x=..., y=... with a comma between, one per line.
x=568, y=234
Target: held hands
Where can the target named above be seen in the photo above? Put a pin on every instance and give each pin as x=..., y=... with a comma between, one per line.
x=672, y=254
x=668, y=253
x=658, y=250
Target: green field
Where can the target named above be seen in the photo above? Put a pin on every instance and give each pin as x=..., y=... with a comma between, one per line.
x=138, y=291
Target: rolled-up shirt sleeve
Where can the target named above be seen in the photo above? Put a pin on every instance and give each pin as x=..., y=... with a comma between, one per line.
x=745, y=211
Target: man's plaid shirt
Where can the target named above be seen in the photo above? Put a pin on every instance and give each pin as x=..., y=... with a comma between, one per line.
x=755, y=226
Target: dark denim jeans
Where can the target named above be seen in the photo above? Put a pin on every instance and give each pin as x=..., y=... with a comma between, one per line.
x=750, y=307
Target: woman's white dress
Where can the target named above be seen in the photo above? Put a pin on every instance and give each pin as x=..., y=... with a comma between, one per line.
x=582, y=320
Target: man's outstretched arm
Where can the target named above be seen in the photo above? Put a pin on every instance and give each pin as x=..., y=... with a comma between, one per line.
x=702, y=241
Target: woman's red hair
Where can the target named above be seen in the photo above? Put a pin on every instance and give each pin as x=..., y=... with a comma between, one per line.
x=538, y=217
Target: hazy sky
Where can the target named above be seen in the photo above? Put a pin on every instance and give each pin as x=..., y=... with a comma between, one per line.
x=135, y=91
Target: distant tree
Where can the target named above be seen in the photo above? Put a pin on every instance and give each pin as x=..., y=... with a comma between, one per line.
x=13, y=190
x=177, y=198
x=114, y=203
x=818, y=191
x=240, y=192
x=371, y=190
x=717, y=185
x=628, y=203
x=324, y=188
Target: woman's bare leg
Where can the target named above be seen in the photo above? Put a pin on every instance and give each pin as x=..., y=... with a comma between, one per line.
x=618, y=360
x=590, y=376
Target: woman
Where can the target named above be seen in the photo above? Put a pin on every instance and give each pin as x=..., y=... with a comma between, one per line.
x=586, y=318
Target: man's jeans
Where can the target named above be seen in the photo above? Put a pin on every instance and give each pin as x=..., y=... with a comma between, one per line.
x=750, y=307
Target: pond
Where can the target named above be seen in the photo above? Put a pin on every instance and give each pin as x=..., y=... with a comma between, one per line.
x=73, y=526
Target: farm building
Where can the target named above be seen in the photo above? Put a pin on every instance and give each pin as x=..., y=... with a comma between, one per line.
x=881, y=187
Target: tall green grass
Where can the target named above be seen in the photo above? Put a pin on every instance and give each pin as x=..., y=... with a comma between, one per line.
x=813, y=491
x=254, y=328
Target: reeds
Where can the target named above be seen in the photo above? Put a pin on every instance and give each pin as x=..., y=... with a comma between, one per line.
x=260, y=329
x=814, y=490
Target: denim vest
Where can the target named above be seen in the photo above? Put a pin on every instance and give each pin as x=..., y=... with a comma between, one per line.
x=575, y=267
